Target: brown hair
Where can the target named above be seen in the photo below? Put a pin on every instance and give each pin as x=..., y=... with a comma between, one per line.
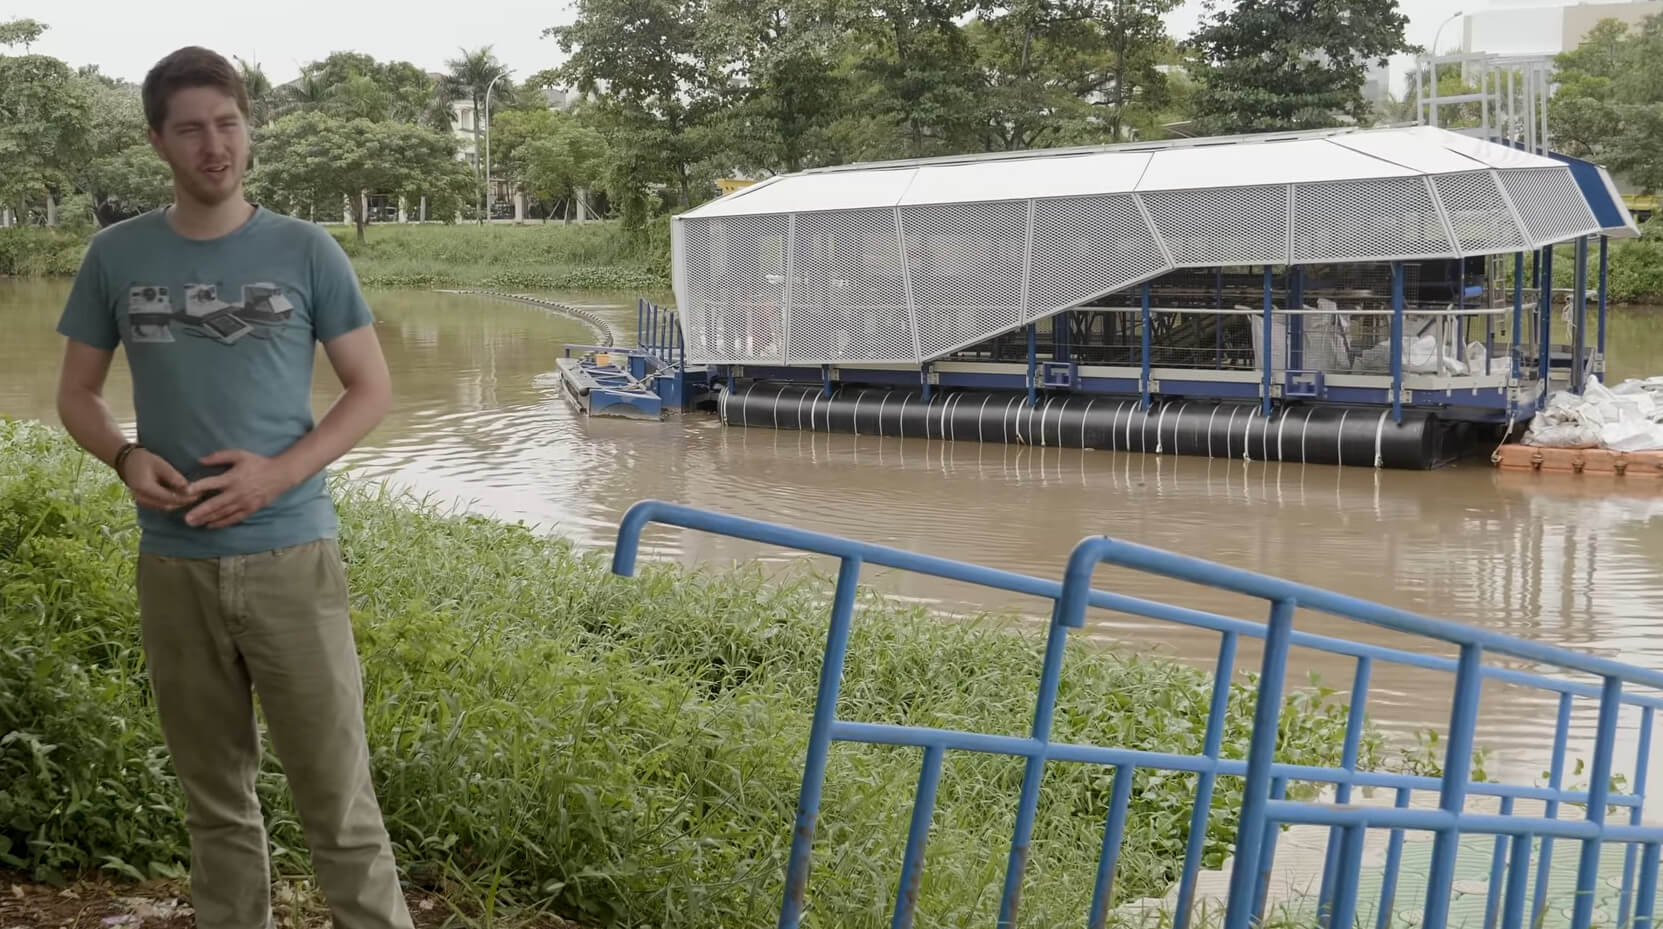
x=192, y=66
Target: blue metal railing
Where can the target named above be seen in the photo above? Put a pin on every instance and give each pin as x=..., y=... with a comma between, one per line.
x=658, y=333
x=1263, y=807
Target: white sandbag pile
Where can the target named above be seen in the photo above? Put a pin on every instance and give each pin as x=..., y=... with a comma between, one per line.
x=1628, y=418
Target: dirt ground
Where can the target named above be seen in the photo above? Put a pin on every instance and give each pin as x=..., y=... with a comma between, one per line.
x=164, y=905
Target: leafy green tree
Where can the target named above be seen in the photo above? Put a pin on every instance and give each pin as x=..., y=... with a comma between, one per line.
x=24, y=32
x=118, y=171
x=1609, y=104
x=562, y=164
x=655, y=94
x=1271, y=65
x=778, y=83
x=921, y=90
x=1068, y=71
x=45, y=120
x=311, y=160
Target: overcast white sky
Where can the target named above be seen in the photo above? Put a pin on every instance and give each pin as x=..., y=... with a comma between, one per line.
x=124, y=37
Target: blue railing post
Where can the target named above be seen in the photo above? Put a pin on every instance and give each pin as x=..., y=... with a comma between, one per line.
x=640, y=319
x=1268, y=342
x=1452, y=797
x=1518, y=878
x=1498, y=865
x=1556, y=781
x=1267, y=853
x=1643, y=908
x=1636, y=813
x=1394, y=863
x=1261, y=754
x=1397, y=341
x=1518, y=312
x=1354, y=722
x=1579, y=338
x=912, y=865
x=1206, y=781
x=1148, y=322
x=1599, y=794
x=1045, y=707
x=819, y=742
x=1114, y=833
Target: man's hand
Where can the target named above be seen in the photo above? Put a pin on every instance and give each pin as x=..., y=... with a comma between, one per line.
x=156, y=484
x=252, y=483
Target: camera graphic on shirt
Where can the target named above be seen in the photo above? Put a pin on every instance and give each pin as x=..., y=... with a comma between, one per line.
x=151, y=312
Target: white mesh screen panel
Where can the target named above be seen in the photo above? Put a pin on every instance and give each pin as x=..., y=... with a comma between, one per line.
x=1478, y=213
x=1222, y=225
x=965, y=265
x=848, y=301
x=1549, y=203
x=1367, y=219
x=1086, y=246
x=735, y=281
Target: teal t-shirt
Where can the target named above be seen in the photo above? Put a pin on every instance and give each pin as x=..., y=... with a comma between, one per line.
x=220, y=336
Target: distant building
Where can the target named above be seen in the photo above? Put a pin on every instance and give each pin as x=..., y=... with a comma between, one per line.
x=1545, y=30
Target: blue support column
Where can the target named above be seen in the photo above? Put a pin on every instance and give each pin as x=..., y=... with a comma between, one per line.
x=924, y=375
x=1604, y=283
x=1296, y=322
x=1064, y=337
x=1579, y=339
x=1218, y=320
x=1147, y=325
x=1544, y=317
x=1397, y=341
x=1268, y=344
x=1033, y=366
x=1518, y=312
x=825, y=381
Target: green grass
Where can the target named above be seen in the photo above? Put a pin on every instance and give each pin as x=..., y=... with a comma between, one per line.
x=532, y=257
x=622, y=751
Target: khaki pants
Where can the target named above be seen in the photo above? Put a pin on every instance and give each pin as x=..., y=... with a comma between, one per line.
x=218, y=630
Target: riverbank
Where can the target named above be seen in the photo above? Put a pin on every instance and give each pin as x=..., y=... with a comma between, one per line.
x=600, y=256
x=531, y=257
x=548, y=736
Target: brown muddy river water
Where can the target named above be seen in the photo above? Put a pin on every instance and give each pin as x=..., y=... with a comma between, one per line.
x=478, y=419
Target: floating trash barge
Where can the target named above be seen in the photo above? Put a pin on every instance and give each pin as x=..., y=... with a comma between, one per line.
x=1308, y=278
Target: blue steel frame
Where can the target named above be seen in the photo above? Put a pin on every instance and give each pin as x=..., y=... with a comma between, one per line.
x=1263, y=805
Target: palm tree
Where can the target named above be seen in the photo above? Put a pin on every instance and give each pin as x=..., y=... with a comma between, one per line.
x=261, y=95
x=469, y=77
x=305, y=93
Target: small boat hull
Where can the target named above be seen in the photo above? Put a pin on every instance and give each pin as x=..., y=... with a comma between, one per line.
x=607, y=390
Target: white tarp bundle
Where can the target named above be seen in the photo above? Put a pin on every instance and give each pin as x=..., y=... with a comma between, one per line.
x=1628, y=418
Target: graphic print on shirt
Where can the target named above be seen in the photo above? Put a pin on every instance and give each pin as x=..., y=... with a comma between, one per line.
x=151, y=312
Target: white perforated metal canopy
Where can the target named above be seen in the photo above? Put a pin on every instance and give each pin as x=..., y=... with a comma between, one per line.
x=910, y=261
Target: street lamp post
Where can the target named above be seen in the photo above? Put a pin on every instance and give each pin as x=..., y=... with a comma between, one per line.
x=1432, y=110
x=487, y=114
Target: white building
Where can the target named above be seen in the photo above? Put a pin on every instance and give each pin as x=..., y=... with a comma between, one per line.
x=1545, y=30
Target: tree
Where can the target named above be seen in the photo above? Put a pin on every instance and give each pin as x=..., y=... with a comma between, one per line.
x=1609, y=104
x=658, y=93
x=118, y=170
x=315, y=159
x=560, y=165
x=922, y=91
x=471, y=76
x=1067, y=71
x=45, y=119
x=776, y=65
x=1271, y=65
x=24, y=32
x=262, y=97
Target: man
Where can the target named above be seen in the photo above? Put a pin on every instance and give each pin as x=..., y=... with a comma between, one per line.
x=218, y=304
